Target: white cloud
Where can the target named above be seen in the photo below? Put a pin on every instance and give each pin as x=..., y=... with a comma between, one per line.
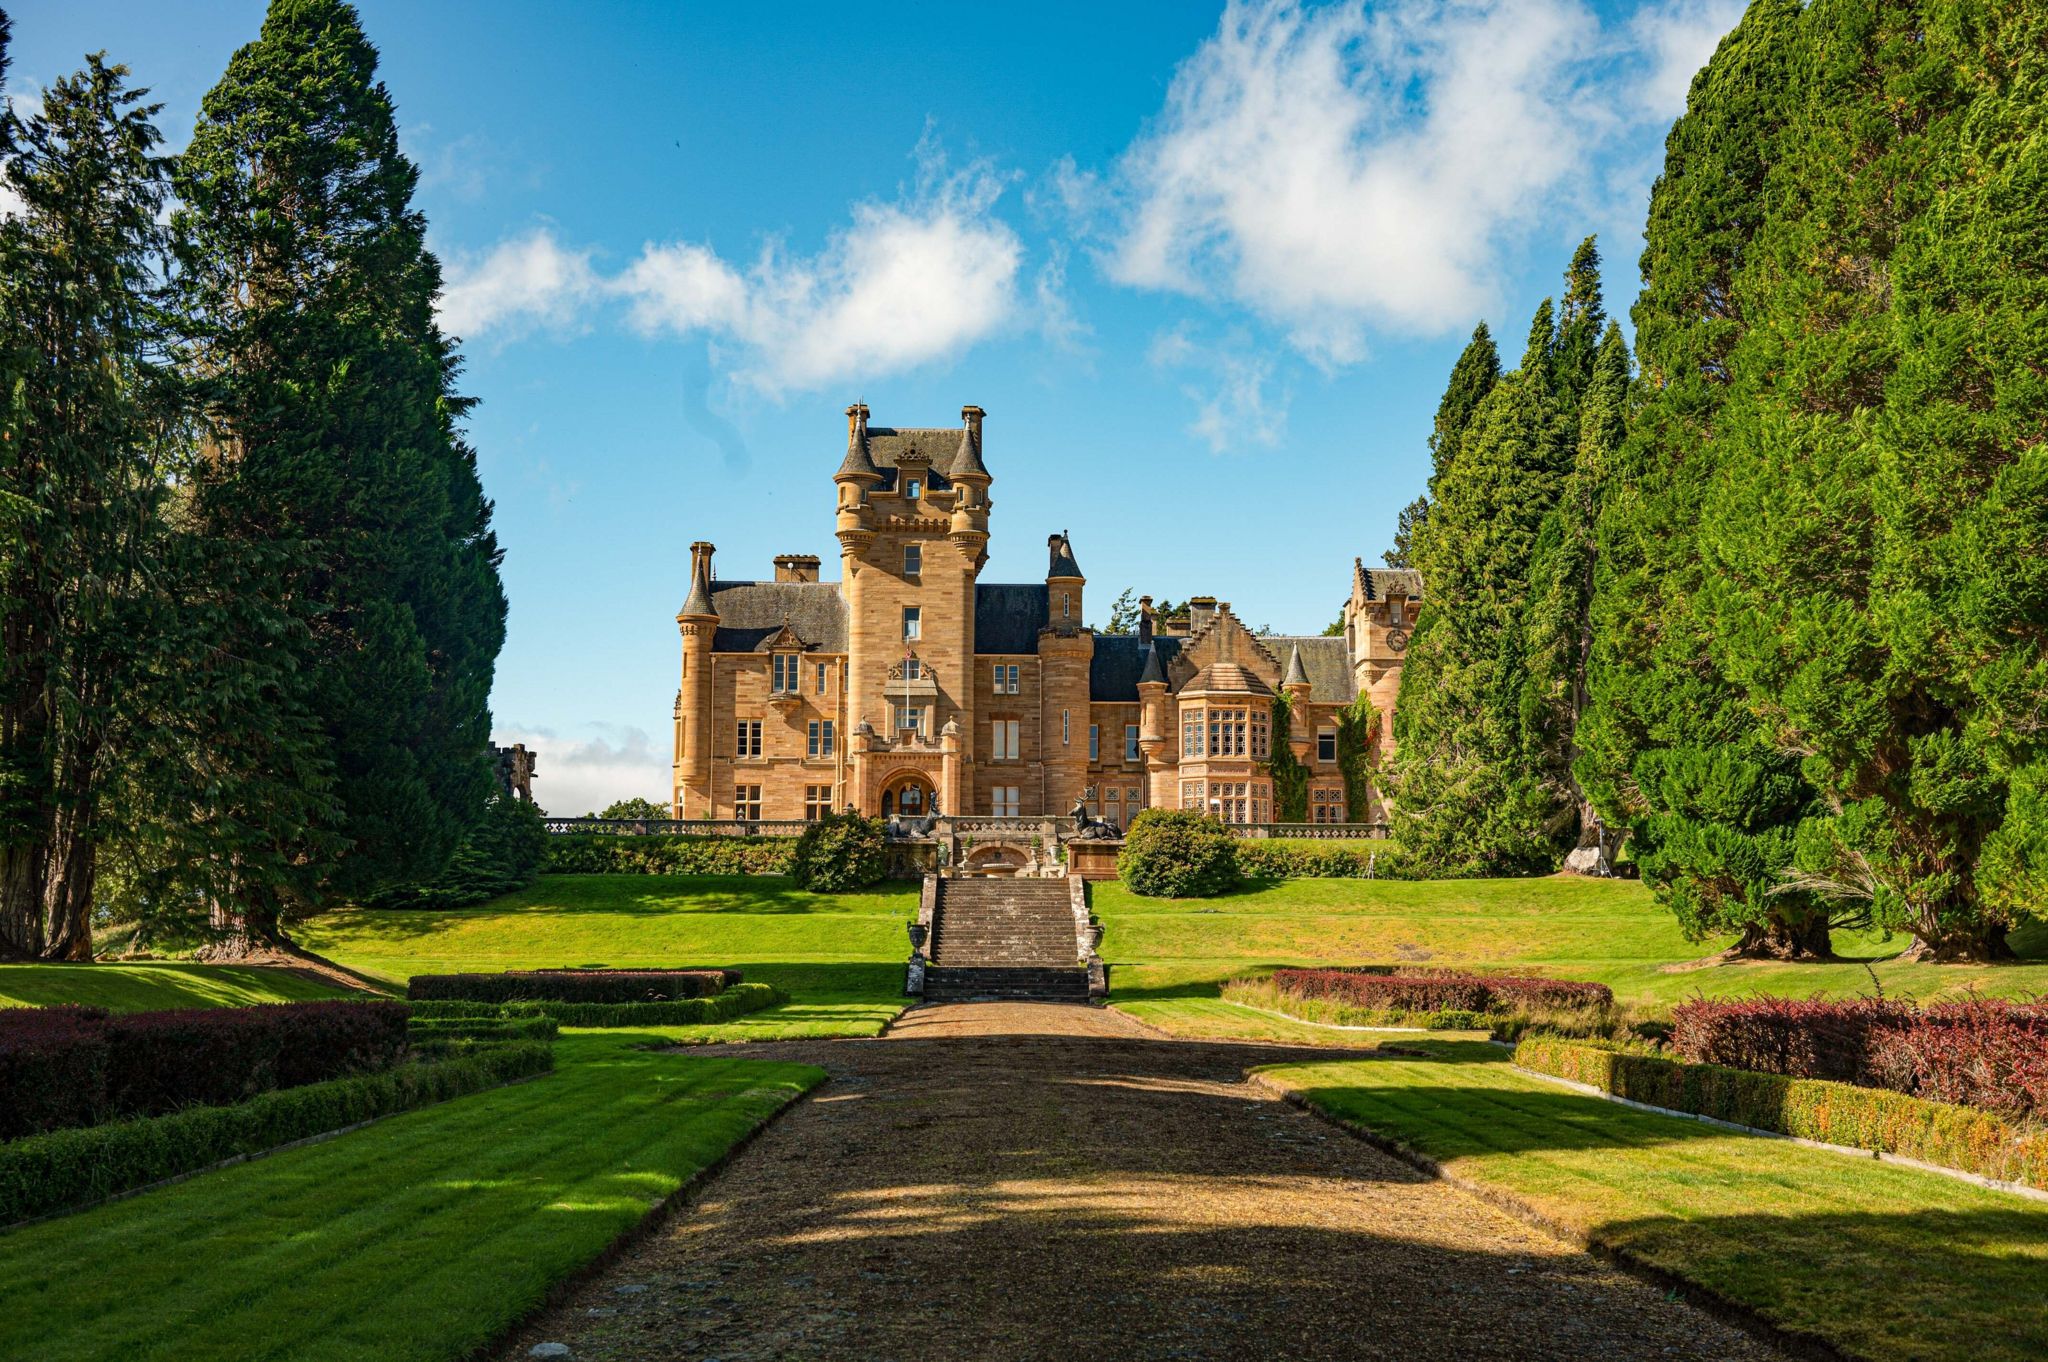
x=1228, y=385
x=578, y=776
x=1676, y=37
x=1355, y=168
x=907, y=282
x=1057, y=321
x=531, y=281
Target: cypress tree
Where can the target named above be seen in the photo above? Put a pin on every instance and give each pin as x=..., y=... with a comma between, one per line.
x=1879, y=535
x=93, y=427
x=339, y=461
x=1473, y=375
x=1668, y=746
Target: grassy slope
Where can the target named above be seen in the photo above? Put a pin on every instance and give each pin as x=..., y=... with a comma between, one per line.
x=142, y=987
x=1607, y=930
x=1882, y=1260
x=839, y=956
x=421, y=1237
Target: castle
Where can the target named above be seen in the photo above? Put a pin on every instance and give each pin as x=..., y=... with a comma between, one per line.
x=910, y=686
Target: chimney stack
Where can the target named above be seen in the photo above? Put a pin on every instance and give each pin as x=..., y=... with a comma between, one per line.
x=1144, y=621
x=796, y=567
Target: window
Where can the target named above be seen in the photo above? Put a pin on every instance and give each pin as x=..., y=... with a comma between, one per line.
x=787, y=668
x=1191, y=733
x=1134, y=798
x=1095, y=742
x=1112, y=805
x=910, y=619
x=820, y=738
x=748, y=739
x=1326, y=743
x=1003, y=740
x=1006, y=678
x=1066, y=730
x=1191, y=794
x=911, y=487
x=913, y=560
x=817, y=802
x=821, y=678
x=1326, y=805
x=1130, y=743
x=1227, y=733
x=1261, y=719
x=912, y=669
x=1066, y=605
x=1004, y=802
x=910, y=719
x=746, y=803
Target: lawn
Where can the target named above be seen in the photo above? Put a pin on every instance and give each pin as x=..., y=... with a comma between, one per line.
x=422, y=1237
x=839, y=956
x=147, y=986
x=1881, y=1260
x=1612, y=931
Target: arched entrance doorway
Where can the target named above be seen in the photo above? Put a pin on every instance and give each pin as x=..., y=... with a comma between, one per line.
x=907, y=796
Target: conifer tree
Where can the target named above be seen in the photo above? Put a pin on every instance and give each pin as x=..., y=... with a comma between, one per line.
x=92, y=424
x=339, y=460
x=1880, y=533
x=1473, y=375
x=1668, y=746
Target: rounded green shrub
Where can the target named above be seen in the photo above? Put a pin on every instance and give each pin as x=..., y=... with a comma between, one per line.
x=1178, y=854
x=838, y=852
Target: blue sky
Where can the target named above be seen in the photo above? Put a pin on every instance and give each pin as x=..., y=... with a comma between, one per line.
x=1206, y=267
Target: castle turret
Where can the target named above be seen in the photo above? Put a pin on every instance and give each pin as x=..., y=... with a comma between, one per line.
x=698, y=621
x=1297, y=689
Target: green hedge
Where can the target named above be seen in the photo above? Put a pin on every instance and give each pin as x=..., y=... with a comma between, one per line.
x=736, y=1001
x=1289, y=858
x=43, y=1174
x=484, y=1028
x=1177, y=854
x=594, y=853
x=1810, y=1108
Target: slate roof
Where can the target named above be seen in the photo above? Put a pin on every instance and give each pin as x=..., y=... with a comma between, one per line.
x=1008, y=616
x=1381, y=583
x=1119, y=664
x=967, y=458
x=1296, y=675
x=1228, y=677
x=751, y=612
x=697, y=603
x=887, y=444
x=1330, y=678
x=1062, y=562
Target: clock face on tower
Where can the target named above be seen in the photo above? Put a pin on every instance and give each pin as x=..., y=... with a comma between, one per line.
x=1397, y=639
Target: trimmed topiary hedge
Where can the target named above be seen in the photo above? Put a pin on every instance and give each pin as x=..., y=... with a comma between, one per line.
x=1177, y=854
x=1810, y=1108
x=659, y=854
x=736, y=1001
x=43, y=1174
x=840, y=851
x=484, y=1028
x=572, y=986
x=69, y=1067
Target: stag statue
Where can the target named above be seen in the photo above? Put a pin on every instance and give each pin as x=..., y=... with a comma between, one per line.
x=1088, y=829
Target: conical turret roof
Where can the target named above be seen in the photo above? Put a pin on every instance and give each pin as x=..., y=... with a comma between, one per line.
x=1153, y=670
x=967, y=459
x=1297, y=675
x=858, y=462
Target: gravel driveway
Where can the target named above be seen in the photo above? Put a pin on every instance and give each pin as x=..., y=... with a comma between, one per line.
x=1036, y=1181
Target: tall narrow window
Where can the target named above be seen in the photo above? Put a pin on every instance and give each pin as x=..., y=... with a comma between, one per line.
x=821, y=678
x=1095, y=742
x=1003, y=740
x=1326, y=744
x=1191, y=733
x=1066, y=605
x=1130, y=742
x=787, y=668
x=747, y=738
x=913, y=560
x=1066, y=730
x=910, y=621
x=819, y=738
x=911, y=488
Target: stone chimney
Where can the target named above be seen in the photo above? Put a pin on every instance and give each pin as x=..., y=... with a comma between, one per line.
x=1144, y=621
x=1201, y=610
x=796, y=567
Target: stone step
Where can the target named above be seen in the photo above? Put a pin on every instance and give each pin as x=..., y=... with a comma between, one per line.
x=952, y=984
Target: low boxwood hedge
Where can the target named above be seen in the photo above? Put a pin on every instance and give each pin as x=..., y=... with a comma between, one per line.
x=572, y=986
x=43, y=1174
x=734, y=1002
x=1956, y=1137
x=585, y=853
x=484, y=1028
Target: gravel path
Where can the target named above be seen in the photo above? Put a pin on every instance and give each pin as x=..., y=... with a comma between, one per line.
x=1020, y=1181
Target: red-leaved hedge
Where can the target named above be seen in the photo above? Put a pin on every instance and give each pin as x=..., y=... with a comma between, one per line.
x=1439, y=991
x=1987, y=1054
x=64, y=1067
x=572, y=986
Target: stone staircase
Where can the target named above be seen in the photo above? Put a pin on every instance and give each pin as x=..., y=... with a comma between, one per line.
x=1009, y=938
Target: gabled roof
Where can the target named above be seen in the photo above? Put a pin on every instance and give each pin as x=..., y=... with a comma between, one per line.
x=784, y=639
x=1328, y=665
x=1380, y=583
x=1008, y=616
x=752, y=613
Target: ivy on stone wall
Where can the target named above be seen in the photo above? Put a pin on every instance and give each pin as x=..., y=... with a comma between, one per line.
x=1358, y=732
x=1290, y=777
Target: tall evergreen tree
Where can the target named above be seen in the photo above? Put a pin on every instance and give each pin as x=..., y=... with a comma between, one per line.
x=339, y=457
x=92, y=422
x=1668, y=745
x=1876, y=547
x=1473, y=375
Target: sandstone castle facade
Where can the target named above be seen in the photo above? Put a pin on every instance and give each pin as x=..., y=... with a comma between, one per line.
x=911, y=686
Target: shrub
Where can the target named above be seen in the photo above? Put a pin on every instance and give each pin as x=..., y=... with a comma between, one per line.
x=1984, y=1053
x=1437, y=991
x=571, y=985
x=1808, y=1108
x=65, y=1068
x=733, y=1002
x=1286, y=858
x=500, y=855
x=840, y=851
x=68, y=1168
x=588, y=853
x=484, y=1028
x=1177, y=854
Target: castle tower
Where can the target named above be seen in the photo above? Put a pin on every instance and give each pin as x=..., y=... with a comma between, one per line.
x=1066, y=651
x=698, y=620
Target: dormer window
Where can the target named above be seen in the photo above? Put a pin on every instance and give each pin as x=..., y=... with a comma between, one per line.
x=911, y=488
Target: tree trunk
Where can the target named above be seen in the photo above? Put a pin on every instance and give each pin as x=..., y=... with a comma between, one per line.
x=1977, y=944
x=67, y=897
x=1781, y=940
